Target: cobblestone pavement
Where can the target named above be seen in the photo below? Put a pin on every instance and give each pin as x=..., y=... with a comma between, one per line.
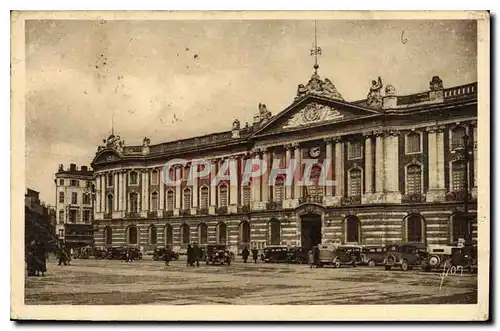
x=103, y=282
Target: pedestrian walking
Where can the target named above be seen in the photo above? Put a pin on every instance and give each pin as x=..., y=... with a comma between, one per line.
x=255, y=255
x=167, y=256
x=245, y=254
x=316, y=256
x=41, y=262
x=190, y=256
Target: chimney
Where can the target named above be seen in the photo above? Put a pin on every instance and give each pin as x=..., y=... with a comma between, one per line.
x=72, y=167
x=84, y=168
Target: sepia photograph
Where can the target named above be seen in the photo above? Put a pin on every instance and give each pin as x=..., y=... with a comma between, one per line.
x=256, y=163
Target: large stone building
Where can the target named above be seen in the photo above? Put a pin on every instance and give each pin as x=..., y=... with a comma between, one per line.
x=74, y=205
x=398, y=164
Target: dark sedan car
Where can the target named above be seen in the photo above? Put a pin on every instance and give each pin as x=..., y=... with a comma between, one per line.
x=275, y=254
x=297, y=255
x=159, y=254
x=373, y=255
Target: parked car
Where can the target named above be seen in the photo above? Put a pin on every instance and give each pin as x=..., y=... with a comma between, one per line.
x=405, y=255
x=159, y=254
x=346, y=255
x=135, y=253
x=373, y=255
x=217, y=254
x=465, y=256
x=438, y=256
x=99, y=253
x=297, y=255
x=274, y=254
x=116, y=253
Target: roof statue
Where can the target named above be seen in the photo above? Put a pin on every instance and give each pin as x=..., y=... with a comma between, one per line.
x=374, y=97
x=436, y=83
x=236, y=124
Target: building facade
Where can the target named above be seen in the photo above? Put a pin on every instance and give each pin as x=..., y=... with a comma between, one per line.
x=399, y=162
x=39, y=219
x=74, y=205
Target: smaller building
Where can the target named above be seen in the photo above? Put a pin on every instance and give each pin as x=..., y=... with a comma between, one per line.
x=74, y=205
x=39, y=218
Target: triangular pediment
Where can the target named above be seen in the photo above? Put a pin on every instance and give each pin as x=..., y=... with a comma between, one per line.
x=106, y=156
x=310, y=112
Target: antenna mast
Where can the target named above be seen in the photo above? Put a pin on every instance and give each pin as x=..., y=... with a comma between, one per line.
x=316, y=50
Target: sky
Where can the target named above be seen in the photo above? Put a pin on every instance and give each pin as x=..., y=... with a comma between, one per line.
x=170, y=80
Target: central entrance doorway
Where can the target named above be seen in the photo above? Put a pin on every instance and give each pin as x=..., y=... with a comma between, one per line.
x=310, y=229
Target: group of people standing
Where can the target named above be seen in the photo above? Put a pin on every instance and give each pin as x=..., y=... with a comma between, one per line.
x=36, y=258
x=245, y=253
x=194, y=255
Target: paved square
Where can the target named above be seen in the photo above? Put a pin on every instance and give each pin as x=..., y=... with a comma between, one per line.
x=103, y=282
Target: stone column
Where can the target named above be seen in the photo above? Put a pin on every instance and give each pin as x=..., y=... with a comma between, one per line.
x=256, y=189
x=297, y=194
x=102, y=179
x=436, y=190
x=115, y=191
x=233, y=184
x=98, y=194
x=161, y=186
x=339, y=168
x=178, y=174
x=379, y=162
x=288, y=158
x=266, y=156
x=143, y=190
x=393, y=195
x=329, y=159
x=368, y=171
x=195, y=188
x=213, y=187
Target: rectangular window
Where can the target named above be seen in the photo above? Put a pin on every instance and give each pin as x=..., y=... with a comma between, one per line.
x=61, y=197
x=86, y=216
x=187, y=199
x=61, y=216
x=61, y=182
x=246, y=195
x=354, y=150
x=170, y=200
x=61, y=233
x=457, y=174
x=72, y=216
x=133, y=178
x=413, y=143
x=279, y=192
x=74, y=183
x=355, y=183
x=204, y=198
x=223, y=196
x=414, y=178
x=74, y=198
x=154, y=178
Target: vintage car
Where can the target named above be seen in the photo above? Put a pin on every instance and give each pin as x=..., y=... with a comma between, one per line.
x=217, y=254
x=135, y=253
x=372, y=255
x=297, y=255
x=438, y=256
x=116, y=253
x=465, y=256
x=99, y=253
x=337, y=256
x=405, y=255
x=274, y=254
x=159, y=254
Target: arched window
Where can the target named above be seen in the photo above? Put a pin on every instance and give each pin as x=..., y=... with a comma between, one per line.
x=154, y=201
x=352, y=229
x=108, y=236
x=202, y=234
x=461, y=227
x=244, y=232
x=247, y=190
x=187, y=199
x=413, y=143
x=134, y=202
x=110, y=203
x=414, y=228
x=221, y=233
x=457, y=176
x=185, y=234
x=414, y=179
x=279, y=189
x=457, y=136
x=154, y=177
x=152, y=235
x=170, y=200
x=133, y=178
x=169, y=235
x=274, y=232
x=223, y=195
x=132, y=235
x=110, y=180
x=204, y=197
x=355, y=182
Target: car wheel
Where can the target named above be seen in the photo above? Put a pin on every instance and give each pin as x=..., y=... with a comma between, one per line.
x=387, y=267
x=336, y=263
x=404, y=265
x=371, y=263
x=434, y=261
x=354, y=263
